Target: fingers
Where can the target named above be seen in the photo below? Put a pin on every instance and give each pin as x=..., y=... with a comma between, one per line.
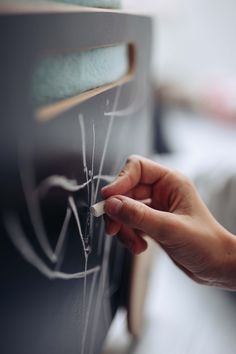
x=131, y=240
x=140, y=192
x=136, y=215
x=137, y=170
x=111, y=227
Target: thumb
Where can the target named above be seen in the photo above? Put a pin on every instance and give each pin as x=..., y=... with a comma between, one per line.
x=137, y=215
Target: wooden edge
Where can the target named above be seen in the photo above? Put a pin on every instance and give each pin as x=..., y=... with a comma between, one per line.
x=141, y=268
x=16, y=7
x=50, y=111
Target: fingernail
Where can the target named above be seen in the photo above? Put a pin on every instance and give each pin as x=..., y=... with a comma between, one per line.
x=110, y=233
x=103, y=191
x=113, y=206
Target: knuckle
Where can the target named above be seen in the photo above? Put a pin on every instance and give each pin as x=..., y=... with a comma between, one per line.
x=182, y=179
x=133, y=158
x=139, y=215
x=131, y=170
x=126, y=214
x=135, y=161
x=123, y=172
x=180, y=176
x=128, y=177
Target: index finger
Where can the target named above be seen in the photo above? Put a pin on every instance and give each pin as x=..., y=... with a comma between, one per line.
x=136, y=170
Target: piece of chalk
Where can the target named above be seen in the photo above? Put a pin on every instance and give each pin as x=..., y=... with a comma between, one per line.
x=98, y=209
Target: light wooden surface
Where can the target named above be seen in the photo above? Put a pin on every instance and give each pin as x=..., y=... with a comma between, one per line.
x=141, y=270
x=27, y=7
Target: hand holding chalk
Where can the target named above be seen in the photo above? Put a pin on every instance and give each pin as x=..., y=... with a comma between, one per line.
x=97, y=210
x=177, y=219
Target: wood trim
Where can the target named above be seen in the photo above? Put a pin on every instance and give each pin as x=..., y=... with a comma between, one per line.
x=139, y=282
x=15, y=7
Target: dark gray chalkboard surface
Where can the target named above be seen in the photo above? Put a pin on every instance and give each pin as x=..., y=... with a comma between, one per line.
x=60, y=275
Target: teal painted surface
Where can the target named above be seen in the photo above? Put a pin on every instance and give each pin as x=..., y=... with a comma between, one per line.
x=60, y=77
x=112, y=4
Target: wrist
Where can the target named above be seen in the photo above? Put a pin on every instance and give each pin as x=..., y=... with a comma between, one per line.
x=229, y=260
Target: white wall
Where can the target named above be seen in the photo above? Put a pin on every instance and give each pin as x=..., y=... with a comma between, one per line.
x=195, y=40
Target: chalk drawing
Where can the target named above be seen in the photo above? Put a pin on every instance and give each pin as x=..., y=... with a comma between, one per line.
x=108, y=134
x=83, y=140
x=27, y=179
x=34, y=194
x=136, y=105
x=100, y=239
x=59, y=250
x=101, y=291
x=74, y=210
x=91, y=217
x=85, y=250
x=19, y=240
x=69, y=185
x=88, y=312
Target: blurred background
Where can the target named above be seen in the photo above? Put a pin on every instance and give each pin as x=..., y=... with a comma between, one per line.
x=194, y=80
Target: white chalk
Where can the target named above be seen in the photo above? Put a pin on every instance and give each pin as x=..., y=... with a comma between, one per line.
x=98, y=209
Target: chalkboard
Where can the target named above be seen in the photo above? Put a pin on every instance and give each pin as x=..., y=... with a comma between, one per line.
x=61, y=277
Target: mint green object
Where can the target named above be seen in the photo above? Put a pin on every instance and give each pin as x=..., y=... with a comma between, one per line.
x=110, y=4
x=63, y=76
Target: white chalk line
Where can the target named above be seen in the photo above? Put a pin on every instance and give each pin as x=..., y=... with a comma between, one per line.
x=27, y=181
x=83, y=138
x=91, y=217
x=110, y=124
x=75, y=213
x=134, y=107
x=100, y=238
x=19, y=240
x=61, y=239
x=85, y=250
x=93, y=153
x=85, y=330
x=57, y=181
x=101, y=290
x=92, y=166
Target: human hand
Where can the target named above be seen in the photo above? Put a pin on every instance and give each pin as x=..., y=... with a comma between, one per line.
x=151, y=199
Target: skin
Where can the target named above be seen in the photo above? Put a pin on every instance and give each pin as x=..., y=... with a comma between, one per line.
x=150, y=199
